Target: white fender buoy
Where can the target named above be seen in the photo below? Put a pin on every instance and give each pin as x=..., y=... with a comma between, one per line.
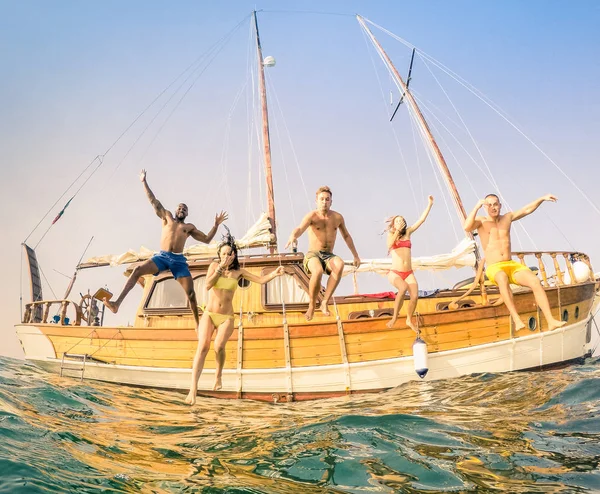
x=269, y=61
x=420, y=357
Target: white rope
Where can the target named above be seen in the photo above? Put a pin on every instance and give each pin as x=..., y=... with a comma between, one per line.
x=481, y=96
x=429, y=113
x=283, y=163
x=292, y=147
x=435, y=169
x=408, y=174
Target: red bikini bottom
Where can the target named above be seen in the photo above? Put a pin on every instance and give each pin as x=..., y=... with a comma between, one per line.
x=402, y=274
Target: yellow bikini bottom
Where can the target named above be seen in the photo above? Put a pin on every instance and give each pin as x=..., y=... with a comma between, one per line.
x=218, y=319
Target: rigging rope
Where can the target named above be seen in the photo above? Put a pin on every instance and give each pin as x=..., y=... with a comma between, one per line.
x=408, y=174
x=481, y=96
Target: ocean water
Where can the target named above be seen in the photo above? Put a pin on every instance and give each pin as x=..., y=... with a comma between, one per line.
x=518, y=432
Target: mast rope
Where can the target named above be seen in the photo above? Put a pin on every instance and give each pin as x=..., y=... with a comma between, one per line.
x=440, y=135
x=429, y=153
x=291, y=142
x=491, y=177
x=490, y=103
x=408, y=174
x=101, y=157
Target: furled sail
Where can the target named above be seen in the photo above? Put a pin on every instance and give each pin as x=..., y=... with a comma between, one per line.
x=259, y=235
x=462, y=255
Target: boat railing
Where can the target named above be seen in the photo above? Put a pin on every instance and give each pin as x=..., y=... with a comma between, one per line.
x=555, y=269
x=32, y=311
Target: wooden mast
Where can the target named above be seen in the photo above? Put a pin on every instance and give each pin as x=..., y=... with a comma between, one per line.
x=436, y=150
x=266, y=138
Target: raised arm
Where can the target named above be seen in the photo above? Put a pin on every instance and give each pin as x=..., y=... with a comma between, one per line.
x=530, y=208
x=473, y=222
x=297, y=232
x=421, y=220
x=160, y=211
x=349, y=242
x=207, y=237
x=263, y=279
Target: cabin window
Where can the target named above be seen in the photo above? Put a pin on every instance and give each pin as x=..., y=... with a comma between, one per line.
x=288, y=286
x=168, y=294
x=532, y=324
x=565, y=315
x=577, y=312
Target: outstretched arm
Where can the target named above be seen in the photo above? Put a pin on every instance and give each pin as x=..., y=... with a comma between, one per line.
x=207, y=237
x=161, y=212
x=349, y=242
x=263, y=279
x=297, y=232
x=423, y=217
x=530, y=208
x=473, y=222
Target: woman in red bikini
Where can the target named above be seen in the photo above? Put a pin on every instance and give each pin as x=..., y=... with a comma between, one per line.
x=401, y=275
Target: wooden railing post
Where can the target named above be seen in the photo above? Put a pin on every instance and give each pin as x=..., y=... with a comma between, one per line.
x=63, y=311
x=559, y=275
x=542, y=268
x=46, y=312
x=521, y=258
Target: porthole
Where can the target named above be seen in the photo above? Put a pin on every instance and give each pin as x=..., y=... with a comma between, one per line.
x=576, y=312
x=532, y=323
x=565, y=315
x=243, y=282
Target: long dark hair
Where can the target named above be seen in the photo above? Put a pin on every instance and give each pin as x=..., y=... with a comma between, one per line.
x=228, y=240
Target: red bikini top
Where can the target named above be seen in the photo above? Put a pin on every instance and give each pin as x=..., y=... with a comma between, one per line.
x=401, y=243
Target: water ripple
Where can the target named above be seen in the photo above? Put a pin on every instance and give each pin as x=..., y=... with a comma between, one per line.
x=520, y=432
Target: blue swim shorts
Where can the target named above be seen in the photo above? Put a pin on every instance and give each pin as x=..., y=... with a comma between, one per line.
x=176, y=263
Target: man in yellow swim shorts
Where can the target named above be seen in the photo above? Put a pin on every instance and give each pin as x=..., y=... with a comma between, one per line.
x=494, y=234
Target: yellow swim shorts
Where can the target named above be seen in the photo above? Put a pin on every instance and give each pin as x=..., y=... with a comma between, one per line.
x=509, y=267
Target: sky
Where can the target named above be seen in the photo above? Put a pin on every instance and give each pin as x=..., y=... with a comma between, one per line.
x=74, y=76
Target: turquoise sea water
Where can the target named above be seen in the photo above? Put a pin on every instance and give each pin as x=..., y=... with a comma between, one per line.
x=519, y=432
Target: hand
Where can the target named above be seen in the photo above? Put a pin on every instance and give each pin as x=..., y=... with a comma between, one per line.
x=143, y=175
x=481, y=203
x=356, y=262
x=550, y=197
x=290, y=242
x=221, y=217
x=278, y=272
x=430, y=199
x=226, y=262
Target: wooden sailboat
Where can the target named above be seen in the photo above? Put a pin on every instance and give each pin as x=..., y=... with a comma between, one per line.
x=276, y=355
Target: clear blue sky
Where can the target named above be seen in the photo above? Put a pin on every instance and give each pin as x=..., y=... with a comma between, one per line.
x=74, y=75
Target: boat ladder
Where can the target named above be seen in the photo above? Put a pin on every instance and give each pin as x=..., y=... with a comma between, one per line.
x=78, y=358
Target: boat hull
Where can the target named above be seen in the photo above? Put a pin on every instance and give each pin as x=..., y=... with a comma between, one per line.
x=311, y=382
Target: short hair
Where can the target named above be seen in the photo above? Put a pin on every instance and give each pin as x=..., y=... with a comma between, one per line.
x=325, y=188
x=492, y=195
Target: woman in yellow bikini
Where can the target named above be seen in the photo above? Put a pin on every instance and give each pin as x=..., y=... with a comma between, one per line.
x=401, y=275
x=221, y=282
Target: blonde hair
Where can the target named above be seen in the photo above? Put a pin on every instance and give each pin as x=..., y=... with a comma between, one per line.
x=325, y=188
x=390, y=225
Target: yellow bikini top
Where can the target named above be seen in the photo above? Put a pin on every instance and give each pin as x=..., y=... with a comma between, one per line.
x=226, y=283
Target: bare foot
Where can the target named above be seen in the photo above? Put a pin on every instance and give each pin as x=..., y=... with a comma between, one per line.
x=191, y=398
x=112, y=306
x=324, y=308
x=391, y=323
x=309, y=313
x=218, y=384
x=519, y=325
x=410, y=324
x=555, y=324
